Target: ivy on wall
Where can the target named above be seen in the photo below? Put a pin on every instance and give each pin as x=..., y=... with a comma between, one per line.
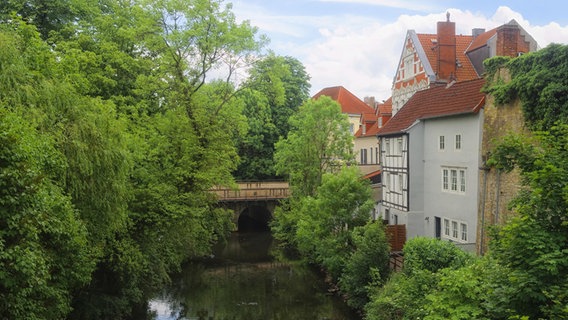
x=538, y=79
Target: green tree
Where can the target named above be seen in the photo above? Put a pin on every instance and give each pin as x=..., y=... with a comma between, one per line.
x=277, y=86
x=47, y=16
x=318, y=142
x=368, y=265
x=326, y=221
x=537, y=279
x=44, y=254
x=181, y=131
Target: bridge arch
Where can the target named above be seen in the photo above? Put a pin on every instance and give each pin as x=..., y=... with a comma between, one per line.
x=254, y=218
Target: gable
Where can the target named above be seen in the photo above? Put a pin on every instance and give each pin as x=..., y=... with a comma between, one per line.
x=412, y=52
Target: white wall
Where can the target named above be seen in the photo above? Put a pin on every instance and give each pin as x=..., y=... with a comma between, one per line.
x=448, y=204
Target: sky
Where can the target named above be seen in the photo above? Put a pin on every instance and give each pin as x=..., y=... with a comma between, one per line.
x=357, y=43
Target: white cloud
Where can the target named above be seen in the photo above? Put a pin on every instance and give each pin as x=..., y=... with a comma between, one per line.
x=361, y=52
x=417, y=5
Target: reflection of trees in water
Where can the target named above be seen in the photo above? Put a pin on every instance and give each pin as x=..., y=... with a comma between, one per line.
x=221, y=289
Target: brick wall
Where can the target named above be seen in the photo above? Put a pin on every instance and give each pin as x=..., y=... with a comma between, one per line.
x=497, y=189
x=510, y=42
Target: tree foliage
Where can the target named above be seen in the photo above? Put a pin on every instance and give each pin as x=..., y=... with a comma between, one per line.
x=541, y=228
x=318, y=142
x=325, y=222
x=113, y=130
x=405, y=296
x=277, y=86
x=44, y=254
x=368, y=264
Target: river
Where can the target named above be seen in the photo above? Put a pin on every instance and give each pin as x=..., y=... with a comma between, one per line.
x=244, y=281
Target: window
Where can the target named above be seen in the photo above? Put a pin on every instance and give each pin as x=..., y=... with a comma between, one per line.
x=442, y=144
x=351, y=128
x=387, y=181
x=462, y=180
x=445, y=179
x=454, y=229
x=454, y=179
x=463, y=227
x=458, y=141
x=400, y=183
x=399, y=143
x=387, y=146
x=377, y=155
x=363, y=156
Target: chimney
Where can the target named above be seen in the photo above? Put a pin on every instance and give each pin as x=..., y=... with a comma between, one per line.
x=509, y=41
x=475, y=32
x=446, y=50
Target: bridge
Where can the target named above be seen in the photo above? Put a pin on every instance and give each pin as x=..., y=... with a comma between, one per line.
x=253, y=202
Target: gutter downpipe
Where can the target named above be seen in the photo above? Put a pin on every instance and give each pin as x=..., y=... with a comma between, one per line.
x=482, y=232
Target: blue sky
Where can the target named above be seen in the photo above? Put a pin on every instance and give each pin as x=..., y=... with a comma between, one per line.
x=357, y=43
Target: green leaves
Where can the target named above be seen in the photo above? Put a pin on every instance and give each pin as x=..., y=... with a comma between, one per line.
x=538, y=79
x=43, y=247
x=318, y=142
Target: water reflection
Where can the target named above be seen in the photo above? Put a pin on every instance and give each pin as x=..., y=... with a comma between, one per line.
x=242, y=281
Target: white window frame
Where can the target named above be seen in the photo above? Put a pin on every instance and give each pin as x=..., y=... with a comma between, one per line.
x=441, y=143
x=455, y=230
x=458, y=142
x=454, y=180
x=462, y=180
x=463, y=232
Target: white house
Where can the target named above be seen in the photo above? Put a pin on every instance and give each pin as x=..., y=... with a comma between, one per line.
x=430, y=160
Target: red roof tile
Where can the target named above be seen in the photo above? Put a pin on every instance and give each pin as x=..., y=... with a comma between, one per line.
x=438, y=101
x=349, y=102
x=481, y=40
x=385, y=108
x=466, y=71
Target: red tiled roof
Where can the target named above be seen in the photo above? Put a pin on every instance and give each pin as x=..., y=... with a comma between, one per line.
x=438, y=101
x=385, y=108
x=463, y=73
x=372, y=174
x=349, y=102
x=481, y=40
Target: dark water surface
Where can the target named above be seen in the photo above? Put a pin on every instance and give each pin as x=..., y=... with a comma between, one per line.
x=244, y=281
